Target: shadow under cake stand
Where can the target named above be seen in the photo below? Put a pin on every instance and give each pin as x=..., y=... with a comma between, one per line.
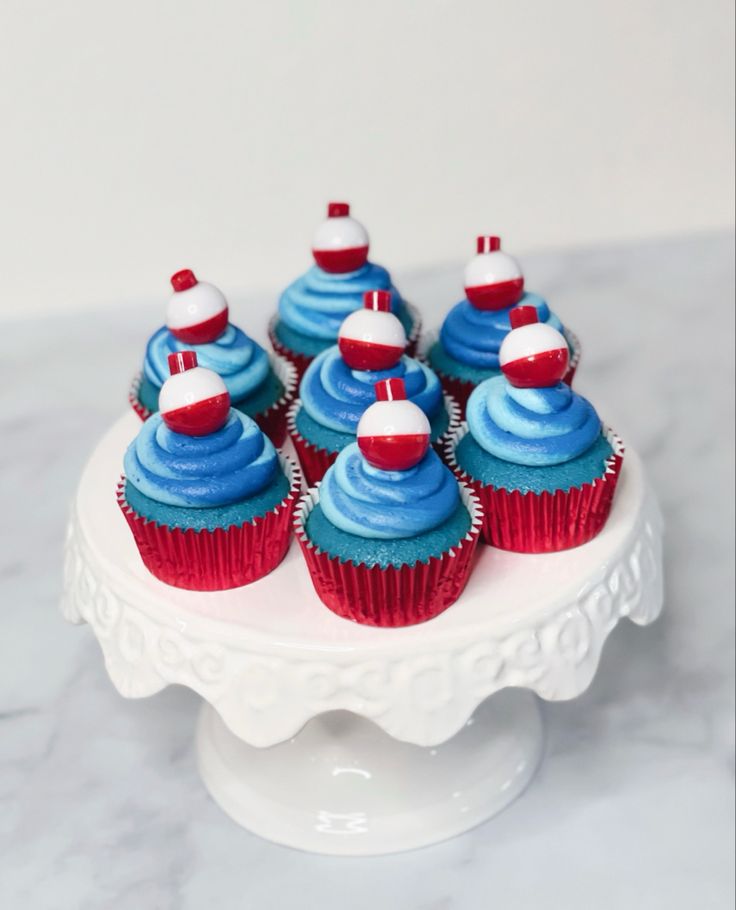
x=337, y=738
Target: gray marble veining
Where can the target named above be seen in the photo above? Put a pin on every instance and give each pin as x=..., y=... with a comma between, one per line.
x=100, y=802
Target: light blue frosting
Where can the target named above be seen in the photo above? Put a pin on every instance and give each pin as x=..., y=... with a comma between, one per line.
x=369, y=502
x=531, y=426
x=200, y=471
x=474, y=336
x=317, y=303
x=336, y=396
x=241, y=362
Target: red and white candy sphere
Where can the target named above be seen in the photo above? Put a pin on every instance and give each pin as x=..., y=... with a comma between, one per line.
x=493, y=279
x=197, y=312
x=393, y=433
x=193, y=400
x=372, y=338
x=340, y=243
x=533, y=355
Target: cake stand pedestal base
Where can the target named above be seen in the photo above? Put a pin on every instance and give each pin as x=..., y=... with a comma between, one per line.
x=338, y=738
x=343, y=786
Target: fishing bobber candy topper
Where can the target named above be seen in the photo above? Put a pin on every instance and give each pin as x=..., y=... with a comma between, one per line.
x=193, y=400
x=393, y=433
x=197, y=311
x=340, y=243
x=533, y=355
x=372, y=338
x=493, y=279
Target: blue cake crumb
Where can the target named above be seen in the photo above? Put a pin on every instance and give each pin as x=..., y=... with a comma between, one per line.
x=210, y=519
x=398, y=552
x=481, y=465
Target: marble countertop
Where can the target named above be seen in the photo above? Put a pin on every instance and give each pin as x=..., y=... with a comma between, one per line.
x=101, y=805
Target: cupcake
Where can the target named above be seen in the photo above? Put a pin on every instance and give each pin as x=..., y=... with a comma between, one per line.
x=534, y=451
x=312, y=309
x=389, y=534
x=197, y=319
x=338, y=387
x=208, y=500
x=466, y=351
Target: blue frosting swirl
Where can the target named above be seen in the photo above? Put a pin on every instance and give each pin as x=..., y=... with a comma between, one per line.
x=369, y=502
x=225, y=467
x=317, y=302
x=531, y=426
x=242, y=363
x=336, y=396
x=474, y=336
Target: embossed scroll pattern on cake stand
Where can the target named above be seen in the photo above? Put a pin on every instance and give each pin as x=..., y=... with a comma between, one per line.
x=338, y=738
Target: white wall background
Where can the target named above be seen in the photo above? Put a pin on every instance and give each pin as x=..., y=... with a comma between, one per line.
x=141, y=136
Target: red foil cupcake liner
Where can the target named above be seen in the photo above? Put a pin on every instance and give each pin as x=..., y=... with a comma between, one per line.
x=133, y=399
x=416, y=329
x=220, y=559
x=272, y=421
x=299, y=361
x=315, y=461
x=543, y=522
x=575, y=349
x=461, y=389
x=389, y=597
x=302, y=361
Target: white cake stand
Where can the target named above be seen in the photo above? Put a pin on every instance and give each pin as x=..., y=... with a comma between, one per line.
x=339, y=738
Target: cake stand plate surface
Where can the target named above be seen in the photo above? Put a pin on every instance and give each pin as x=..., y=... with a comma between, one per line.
x=339, y=738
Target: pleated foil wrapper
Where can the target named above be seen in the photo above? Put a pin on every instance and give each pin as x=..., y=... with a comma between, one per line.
x=133, y=399
x=543, y=522
x=461, y=389
x=391, y=596
x=272, y=421
x=315, y=461
x=220, y=559
x=302, y=361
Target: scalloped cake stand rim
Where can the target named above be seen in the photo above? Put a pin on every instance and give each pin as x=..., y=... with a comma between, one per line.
x=529, y=621
x=399, y=744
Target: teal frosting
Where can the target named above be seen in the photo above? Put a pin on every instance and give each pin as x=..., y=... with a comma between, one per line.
x=368, y=502
x=241, y=362
x=376, y=551
x=312, y=308
x=222, y=468
x=334, y=441
x=336, y=396
x=473, y=337
x=534, y=427
x=482, y=466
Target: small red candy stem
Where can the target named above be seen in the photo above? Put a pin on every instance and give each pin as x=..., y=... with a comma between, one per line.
x=523, y=315
x=380, y=301
x=390, y=390
x=338, y=209
x=183, y=280
x=181, y=361
x=488, y=244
